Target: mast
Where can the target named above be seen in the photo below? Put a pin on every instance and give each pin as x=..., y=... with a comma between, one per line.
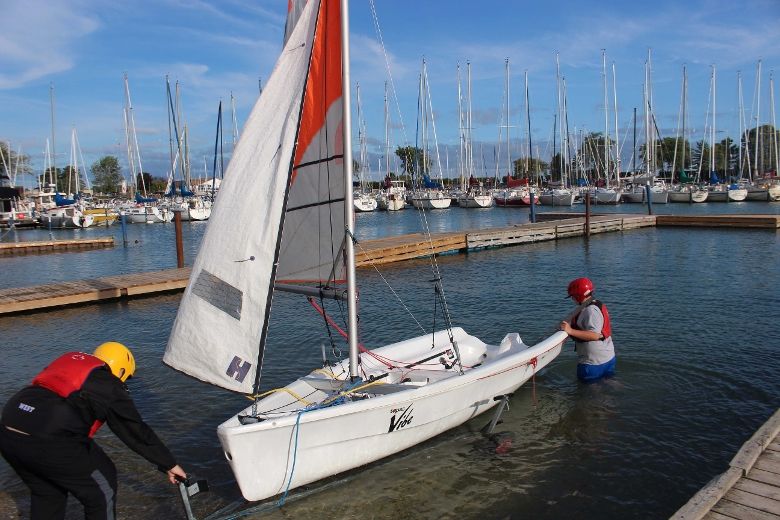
x=469, y=142
x=53, y=146
x=742, y=138
x=774, y=124
x=387, y=134
x=560, y=113
x=528, y=120
x=633, y=152
x=460, y=131
x=235, y=122
x=509, y=171
x=712, y=128
x=684, y=102
x=758, y=119
x=617, y=132
x=349, y=208
x=606, y=116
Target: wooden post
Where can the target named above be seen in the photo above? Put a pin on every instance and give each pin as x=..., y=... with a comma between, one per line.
x=533, y=211
x=649, y=199
x=123, y=222
x=587, y=214
x=179, y=246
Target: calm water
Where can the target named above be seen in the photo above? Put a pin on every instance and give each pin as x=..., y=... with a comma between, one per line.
x=694, y=319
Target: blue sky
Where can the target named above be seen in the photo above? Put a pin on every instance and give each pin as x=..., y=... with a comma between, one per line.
x=215, y=48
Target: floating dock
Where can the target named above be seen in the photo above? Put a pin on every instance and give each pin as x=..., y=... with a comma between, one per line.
x=42, y=297
x=720, y=221
x=712, y=221
x=749, y=489
x=54, y=246
x=368, y=253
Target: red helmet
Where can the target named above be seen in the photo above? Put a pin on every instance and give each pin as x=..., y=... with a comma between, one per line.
x=580, y=288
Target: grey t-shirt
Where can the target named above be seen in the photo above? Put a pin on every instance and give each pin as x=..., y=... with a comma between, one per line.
x=593, y=352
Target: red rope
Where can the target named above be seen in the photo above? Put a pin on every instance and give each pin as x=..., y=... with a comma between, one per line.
x=344, y=334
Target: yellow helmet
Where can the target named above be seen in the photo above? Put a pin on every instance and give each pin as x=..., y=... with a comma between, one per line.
x=118, y=357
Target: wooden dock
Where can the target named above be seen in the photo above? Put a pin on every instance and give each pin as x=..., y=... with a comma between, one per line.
x=54, y=246
x=720, y=221
x=370, y=252
x=749, y=489
x=712, y=221
x=42, y=297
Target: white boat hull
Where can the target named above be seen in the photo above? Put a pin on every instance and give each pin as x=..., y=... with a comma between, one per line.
x=718, y=196
x=475, y=201
x=364, y=203
x=737, y=194
x=391, y=203
x=148, y=215
x=556, y=198
x=294, y=447
x=66, y=218
x=605, y=196
x=680, y=196
x=431, y=202
x=774, y=192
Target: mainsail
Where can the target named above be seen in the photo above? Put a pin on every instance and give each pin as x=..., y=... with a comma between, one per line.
x=283, y=188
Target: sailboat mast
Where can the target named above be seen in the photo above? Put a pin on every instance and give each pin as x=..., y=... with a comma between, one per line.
x=528, y=120
x=349, y=208
x=712, y=129
x=53, y=145
x=742, y=138
x=617, y=130
x=508, y=154
x=774, y=124
x=758, y=118
x=606, y=116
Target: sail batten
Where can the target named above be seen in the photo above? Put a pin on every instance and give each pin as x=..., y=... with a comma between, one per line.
x=279, y=213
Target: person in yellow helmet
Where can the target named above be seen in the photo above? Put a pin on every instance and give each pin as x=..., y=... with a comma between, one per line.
x=47, y=429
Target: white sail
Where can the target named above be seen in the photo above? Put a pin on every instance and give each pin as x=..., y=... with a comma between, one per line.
x=220, y=328
x=294, y=11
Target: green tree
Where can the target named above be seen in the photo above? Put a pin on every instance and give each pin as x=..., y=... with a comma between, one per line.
x=107, y=174
x=412, y=160
x=144, y=182
x=13, y=163
x=768, y=139
x=66, y=179
x=525, y=167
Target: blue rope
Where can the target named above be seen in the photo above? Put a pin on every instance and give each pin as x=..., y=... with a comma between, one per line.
x=311, y=408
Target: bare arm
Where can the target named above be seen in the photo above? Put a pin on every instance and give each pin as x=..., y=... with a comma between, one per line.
x=579, y=335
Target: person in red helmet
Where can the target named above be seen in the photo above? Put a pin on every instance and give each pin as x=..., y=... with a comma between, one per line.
x=591, y=330
x=46, y=432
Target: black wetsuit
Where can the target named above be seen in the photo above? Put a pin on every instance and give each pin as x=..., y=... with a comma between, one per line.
x=45, y=438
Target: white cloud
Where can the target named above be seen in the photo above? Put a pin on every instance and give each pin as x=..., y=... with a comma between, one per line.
x=38, y=39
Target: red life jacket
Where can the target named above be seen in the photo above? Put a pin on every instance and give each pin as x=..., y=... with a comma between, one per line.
x=606, y=329
x=66, y=375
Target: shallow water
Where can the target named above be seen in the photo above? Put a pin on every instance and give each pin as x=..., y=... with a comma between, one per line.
x=694, y=319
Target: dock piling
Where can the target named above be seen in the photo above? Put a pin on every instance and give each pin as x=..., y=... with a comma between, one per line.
x=179, y=245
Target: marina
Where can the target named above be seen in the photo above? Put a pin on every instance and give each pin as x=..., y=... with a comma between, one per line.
x=371, y=253
x=492, y=313
x=571, y=436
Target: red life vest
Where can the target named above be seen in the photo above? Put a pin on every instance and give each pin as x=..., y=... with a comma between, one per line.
x=606, y=329
x=66, y=375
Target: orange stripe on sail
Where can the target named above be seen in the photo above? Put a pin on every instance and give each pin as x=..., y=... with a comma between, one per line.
x=323, y=86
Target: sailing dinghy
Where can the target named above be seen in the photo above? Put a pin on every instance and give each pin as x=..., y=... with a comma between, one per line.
x=295, y=157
